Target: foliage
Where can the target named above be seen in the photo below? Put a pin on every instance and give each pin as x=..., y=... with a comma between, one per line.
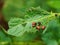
x=21, y=13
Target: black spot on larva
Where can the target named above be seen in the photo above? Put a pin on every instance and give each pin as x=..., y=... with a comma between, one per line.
x=56, y=14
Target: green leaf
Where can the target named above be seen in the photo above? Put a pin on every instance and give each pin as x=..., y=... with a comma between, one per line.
x=34, y=11
x=15, y=21
x=52, y=42
x=4, y=37
x=18, y=28
x=51, y=35
x=26, y=37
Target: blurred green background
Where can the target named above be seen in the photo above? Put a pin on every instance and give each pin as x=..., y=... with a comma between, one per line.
x=17, y=8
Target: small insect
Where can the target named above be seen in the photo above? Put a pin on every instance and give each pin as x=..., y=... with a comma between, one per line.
x=38, y=27
x=43, y=27
x=39, y=23
x=33, y=24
